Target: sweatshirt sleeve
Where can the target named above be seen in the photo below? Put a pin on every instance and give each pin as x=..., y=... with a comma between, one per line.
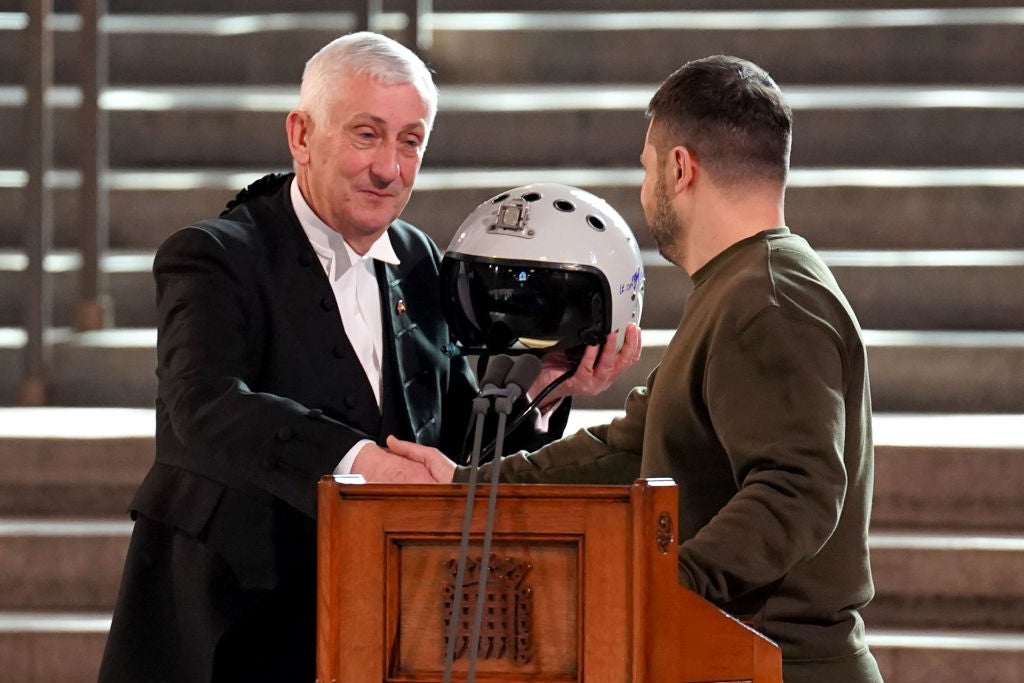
x=775, y=396
x=605, y=454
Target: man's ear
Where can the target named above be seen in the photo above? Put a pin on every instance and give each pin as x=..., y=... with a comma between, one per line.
x=298, y=126
x=684, y=167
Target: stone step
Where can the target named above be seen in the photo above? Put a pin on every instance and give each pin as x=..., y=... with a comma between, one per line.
x=127, y=275
x=835, y=208
x=63, y=462
x=911, y=370
x=925, y=290
x=636, y=5
x=104, y=368
x=250, y=6
x=915, y=371
x=948, y=656
x=850, y=45
x=535, y=125
x=73, y=461
x=69, y=564
x=951, y=471
x=948, y=581
x=932, y=289
x=44, y=647
x=67, y=647
x=922, y=462
x=922, y=581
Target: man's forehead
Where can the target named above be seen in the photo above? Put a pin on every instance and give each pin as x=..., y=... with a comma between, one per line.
x=368, y=97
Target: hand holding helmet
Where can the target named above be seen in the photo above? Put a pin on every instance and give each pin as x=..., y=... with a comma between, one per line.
x=593, y=373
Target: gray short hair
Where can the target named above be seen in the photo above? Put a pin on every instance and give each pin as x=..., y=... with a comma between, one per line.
x=364, y=53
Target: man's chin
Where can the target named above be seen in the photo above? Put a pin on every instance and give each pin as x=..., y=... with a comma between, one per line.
x=382, y=213
x=377, y=221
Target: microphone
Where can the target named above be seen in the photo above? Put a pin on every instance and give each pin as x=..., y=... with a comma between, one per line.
x=492, y=384
x=496, y=373
x=525, y=370
x=521, y=375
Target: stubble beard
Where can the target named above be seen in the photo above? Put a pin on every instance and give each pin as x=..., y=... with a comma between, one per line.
x=663, y=224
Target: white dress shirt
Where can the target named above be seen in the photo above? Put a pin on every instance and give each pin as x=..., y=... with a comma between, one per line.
x=354, y=282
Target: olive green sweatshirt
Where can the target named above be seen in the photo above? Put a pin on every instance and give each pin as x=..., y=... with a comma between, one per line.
x=760, y=411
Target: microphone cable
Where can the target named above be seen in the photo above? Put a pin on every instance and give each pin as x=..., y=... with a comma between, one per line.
x=535, y=403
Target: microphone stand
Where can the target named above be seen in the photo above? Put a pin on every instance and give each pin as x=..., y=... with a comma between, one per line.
x=502, y=406
x=518, y=377
x=497, y=371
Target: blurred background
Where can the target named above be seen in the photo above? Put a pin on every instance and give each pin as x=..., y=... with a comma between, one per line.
x=124, y=120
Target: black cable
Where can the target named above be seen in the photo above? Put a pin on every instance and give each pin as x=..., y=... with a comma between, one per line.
x=574, y=356
x=558, y=381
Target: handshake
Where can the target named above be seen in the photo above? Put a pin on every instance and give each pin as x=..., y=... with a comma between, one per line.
x=403, y=462
x=406, y=462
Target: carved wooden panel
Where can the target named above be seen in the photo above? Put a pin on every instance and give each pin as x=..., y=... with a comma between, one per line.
x=504, y=628
x=531, y=617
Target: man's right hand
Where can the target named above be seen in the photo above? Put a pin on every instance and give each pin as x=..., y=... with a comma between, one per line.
x=380, y=466
x=434, y=461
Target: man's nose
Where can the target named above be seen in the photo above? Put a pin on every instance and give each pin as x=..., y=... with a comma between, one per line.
x=385, y=167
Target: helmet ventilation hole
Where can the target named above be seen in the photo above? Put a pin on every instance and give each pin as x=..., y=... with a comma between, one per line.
x=596, y=223
x=500, y=198
x=564, y=205
x=531, y=196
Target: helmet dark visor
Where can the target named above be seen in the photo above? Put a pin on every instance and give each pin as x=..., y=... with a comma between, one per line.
x=496, y=305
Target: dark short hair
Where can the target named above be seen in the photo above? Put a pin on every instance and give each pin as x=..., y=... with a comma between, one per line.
x=731, y=114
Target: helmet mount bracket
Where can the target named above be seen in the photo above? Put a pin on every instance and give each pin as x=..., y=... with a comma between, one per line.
x=513, y=218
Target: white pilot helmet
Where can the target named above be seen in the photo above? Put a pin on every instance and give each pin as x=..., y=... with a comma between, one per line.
x=541, y=267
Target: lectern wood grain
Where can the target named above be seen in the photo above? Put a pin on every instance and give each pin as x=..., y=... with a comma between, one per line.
x=583, y=589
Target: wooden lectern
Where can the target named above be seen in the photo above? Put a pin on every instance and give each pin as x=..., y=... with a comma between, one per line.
x=582, y=587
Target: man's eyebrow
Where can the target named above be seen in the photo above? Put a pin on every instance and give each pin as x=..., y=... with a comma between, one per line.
x=381, y=122
x=367, y=115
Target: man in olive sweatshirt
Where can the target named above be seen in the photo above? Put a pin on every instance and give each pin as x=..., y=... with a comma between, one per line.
x=760, y=409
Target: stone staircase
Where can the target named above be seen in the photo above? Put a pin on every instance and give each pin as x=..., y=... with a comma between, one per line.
x=908, y=176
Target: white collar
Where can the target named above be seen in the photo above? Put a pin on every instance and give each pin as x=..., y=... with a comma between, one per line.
x=328, y=243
